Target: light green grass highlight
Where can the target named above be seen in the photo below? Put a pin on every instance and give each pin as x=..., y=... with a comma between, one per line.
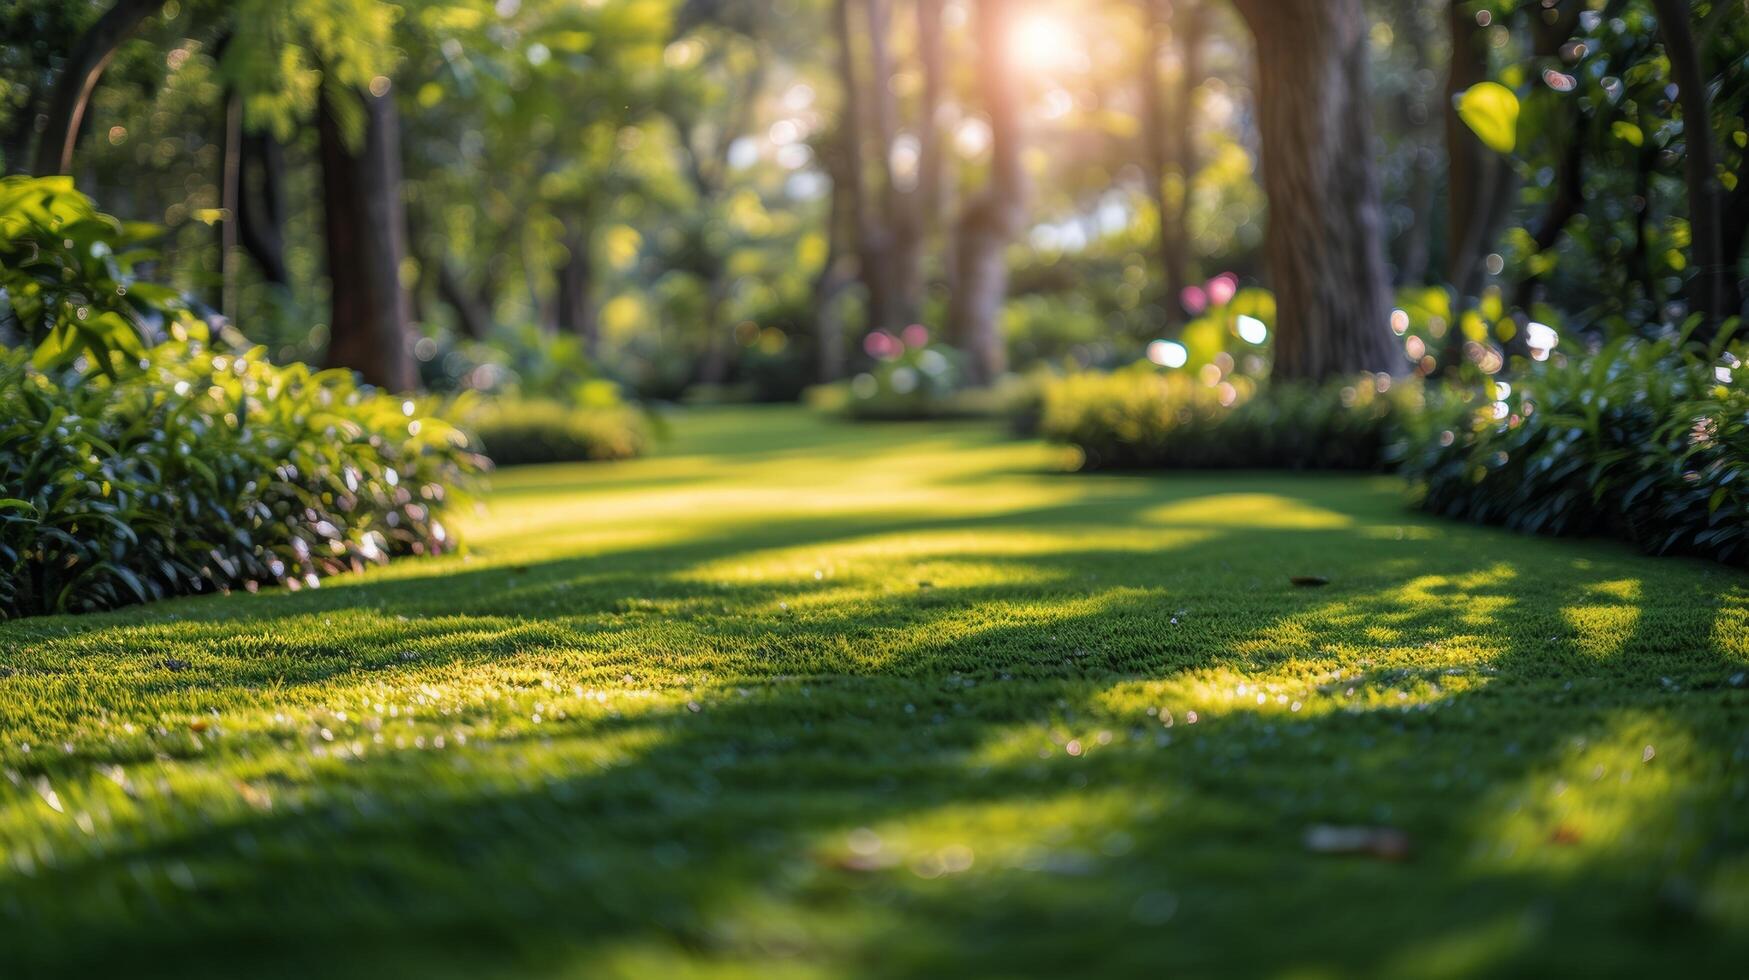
x=797, y=698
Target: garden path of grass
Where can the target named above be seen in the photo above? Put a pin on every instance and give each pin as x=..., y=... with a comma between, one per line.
x=801, y=698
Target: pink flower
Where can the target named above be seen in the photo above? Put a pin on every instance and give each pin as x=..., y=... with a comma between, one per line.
x=1193, y=299
x=1222, y=288
x=916, y=335
x=882, y=345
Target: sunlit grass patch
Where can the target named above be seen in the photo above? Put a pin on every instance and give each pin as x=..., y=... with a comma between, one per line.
x=796, y=700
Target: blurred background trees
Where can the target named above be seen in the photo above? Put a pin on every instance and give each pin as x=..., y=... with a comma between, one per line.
x=738, y=199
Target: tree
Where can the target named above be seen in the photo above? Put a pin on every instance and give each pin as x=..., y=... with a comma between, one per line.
x=1171, y=150
x=991, y=219
x=1324, y=244
x=873, y=238
x=365, y=226
x=91, y=54
x=893, y=221
x=1707, y=289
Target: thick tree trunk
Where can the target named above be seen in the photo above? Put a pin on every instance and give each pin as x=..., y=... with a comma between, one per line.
x=261, y=206
x=1324, y=243
x=1707, y=292
x=91, y=54
x=576, y=286
x=992, y=219
x=366, y=231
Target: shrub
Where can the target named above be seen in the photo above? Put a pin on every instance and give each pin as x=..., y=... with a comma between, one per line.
x=1640, y=440
x=515, y=431
x=200, y=470
x=1142, y=417
x=67, y=282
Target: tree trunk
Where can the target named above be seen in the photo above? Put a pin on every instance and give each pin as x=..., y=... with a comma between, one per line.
x=992, y=219
x=576, y=283
x=261, y=206
x=1707, y=289
x=91, y=54
x=1324, y=242
x=873, y=243
x=915, y=212
x=366, y=232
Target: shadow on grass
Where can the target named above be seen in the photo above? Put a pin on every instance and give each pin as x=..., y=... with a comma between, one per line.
x=918, y=782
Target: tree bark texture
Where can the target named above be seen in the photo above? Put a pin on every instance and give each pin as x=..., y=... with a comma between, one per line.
x=1324, y=243
x=370, y=327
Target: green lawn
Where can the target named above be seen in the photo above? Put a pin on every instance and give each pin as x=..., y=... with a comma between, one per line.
x=800, y=698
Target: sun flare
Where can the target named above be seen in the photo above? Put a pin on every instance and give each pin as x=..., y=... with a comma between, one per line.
x=1041, y=41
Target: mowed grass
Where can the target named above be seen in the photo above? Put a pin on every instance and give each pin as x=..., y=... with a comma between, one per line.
x=797, y=698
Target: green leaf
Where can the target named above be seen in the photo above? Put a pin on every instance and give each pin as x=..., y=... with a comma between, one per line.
x=1491, y=111
x=1627, y=132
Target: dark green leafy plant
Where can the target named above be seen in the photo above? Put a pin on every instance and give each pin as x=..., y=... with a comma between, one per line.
x=203, y=470
x=1644, y=440
x=68, y=287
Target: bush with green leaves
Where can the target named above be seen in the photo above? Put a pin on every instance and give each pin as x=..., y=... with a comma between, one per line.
x=201, y=470
x=68, y=283
x=1645, y=440
x=140, y=460
x=516, y=431
x=1143, y=417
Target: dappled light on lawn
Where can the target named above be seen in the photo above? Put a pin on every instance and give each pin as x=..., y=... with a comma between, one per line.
x=999, y=712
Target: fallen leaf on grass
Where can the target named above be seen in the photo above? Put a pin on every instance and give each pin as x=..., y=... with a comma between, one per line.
x=1385, y=843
